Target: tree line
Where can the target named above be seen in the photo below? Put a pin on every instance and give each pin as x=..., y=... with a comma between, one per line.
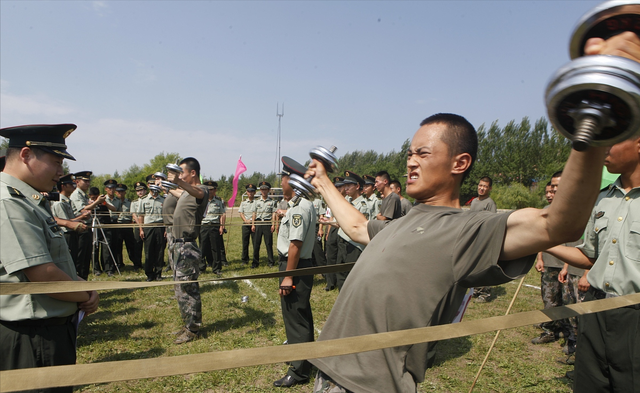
x=518, y=157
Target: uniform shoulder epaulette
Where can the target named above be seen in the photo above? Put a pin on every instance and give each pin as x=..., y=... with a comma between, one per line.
x=14, y=192
x=218, y=198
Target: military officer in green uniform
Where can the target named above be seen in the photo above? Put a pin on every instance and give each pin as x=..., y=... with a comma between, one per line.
x=62, y=211
x=349, y=250
x=264, y=221
x=368, y=191
x=211, y=231
x=125, y=234
x=150, y=215
x=110, y=234
x=36, y=330
x=331, y=240
x=80, y=203
x=141, y=192
x=247, y=210
x=295, y=247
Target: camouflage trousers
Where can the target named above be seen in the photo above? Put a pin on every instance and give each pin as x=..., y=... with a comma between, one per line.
x=186, y=256
x=551, y=291
x=324, y=384
x=571, y=295
x=170, y=246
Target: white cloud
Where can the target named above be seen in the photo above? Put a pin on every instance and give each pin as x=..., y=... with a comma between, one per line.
x=30, y=109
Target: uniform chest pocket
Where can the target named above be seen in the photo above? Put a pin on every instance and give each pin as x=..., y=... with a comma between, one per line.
x=55, y=240
x=600, y=232
x=632, y=248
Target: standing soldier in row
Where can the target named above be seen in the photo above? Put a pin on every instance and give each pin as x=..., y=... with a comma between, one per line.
x=141, y=191
x=110, y=234
x=368, y=191
x=124, y=234
x=247, y=210
x=390, y=208
x=150, y=215
x=211, y=231
x=349, y=250
x=264, y=221
x=295, y=248
x=80, y=203
x=405, y=205
x=62, y=211
x=331, y=240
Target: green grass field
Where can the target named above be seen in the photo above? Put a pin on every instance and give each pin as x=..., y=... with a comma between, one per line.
x=137, y=324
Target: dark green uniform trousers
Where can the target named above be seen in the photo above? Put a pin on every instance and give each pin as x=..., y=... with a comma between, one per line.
x=347, y=253
x=38, y=343
x=154, y=245
x=85, y=248
x=331, y=248
x=211, y=247
x=608, y=350
x=298, y=318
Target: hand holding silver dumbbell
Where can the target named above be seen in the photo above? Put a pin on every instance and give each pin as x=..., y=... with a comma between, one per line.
x=302, y=186
x=595, y=100
x=175, y=169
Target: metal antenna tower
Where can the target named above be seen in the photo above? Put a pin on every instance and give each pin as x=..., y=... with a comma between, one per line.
x=278, y=156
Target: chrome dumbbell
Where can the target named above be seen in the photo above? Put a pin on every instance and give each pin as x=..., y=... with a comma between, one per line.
x=302, y=186
x=172, y=168
x=595, y=100
x=604, y=21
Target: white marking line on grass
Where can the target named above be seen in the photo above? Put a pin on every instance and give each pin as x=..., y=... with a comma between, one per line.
x=264, y=295
x=526, y=285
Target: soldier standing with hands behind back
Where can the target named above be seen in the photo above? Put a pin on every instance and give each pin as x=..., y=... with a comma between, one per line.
x=36, y=330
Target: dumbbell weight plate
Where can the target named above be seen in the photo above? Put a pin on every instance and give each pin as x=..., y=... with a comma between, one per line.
x=174, y=168
x=604, y=21
x=301, y=184
x=168, y=185
x=608, y=80
x=326, y=157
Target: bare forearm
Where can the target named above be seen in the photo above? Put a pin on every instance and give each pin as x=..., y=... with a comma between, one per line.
x=293, y=256
x=50, y=272
x=571, y=255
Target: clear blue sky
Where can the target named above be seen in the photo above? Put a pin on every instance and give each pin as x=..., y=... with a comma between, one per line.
x=202, y=78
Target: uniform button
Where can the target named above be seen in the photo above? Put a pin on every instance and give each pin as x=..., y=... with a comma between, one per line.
x=619, y=218
x=614, y=241
x=607, y=285
x=596, y=229
x=610, y=262
x=626, y=198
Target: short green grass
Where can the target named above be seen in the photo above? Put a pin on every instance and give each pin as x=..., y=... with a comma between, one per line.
x=137, y=324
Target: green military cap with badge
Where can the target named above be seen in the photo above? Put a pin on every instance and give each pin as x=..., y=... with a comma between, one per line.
x=66, y=179
x=338, y=181
x=121, y=187
x=250, y=187
x=265, y=185
x=110, y=183
x=211, y=184
x=46, y=137
x=369, y=180
x=140, y=186
x=150, y=179
x=83, y=175
x=352, y=178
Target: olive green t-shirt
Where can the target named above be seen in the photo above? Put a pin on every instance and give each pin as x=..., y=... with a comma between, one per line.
x=188, y=214
x=414, y=273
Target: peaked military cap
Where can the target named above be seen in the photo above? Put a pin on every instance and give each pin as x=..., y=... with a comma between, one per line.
x=150, y=178
x=110, y=183
x=140, y=186
x=66, y=179
x=84, y=175
x=48, y=137
x=265, y=185
x=121, y=187
x=291, y=166
x=250, y=187
x=338, y=181
x=369, y=180
x=160, y=175
x=211, y=184
x=352, y=178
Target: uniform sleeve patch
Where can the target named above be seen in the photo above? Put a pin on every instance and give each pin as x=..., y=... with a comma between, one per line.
x=296, y=220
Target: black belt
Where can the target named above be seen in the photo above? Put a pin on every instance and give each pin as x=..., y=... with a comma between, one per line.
x=185, y=240
x=598, y=294
x=263, y=219
x=55, y=321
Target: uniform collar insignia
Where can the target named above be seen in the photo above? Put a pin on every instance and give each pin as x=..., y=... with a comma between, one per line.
x=599, y=214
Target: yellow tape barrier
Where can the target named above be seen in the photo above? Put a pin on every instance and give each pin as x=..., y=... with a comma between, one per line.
x=82, y=374
x=35, y=288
